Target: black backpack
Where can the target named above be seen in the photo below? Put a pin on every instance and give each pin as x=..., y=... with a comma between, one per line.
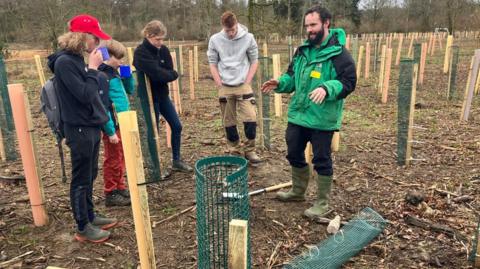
x=51, y=108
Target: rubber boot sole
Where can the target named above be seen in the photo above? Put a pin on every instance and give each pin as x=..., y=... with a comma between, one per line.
x=84, y=239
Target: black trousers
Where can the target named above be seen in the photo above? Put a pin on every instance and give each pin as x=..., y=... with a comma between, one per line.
x=297, y=138
x=84, y=144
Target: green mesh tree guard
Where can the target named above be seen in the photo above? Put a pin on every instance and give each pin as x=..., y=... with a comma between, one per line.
x=221, y=195
x=346, y=243
x=452, y=80
x=6, y=117
x=403, y=102
x=141, y=105
x=417, y=52
x=375, y=55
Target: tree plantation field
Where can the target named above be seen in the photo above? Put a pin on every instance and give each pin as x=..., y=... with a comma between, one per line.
x=366, y=174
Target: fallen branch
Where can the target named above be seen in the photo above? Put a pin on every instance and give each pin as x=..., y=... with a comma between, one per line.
x=15, y=259
x=155, y=223
x=12, y=178
x=272, y=258
x=434, y=227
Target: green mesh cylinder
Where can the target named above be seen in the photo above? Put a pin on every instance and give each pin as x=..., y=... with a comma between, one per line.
x=452, y=79
x=145, y=125
x=221, y=195
x=6, y=116
x=403, y=102
x=343, y=245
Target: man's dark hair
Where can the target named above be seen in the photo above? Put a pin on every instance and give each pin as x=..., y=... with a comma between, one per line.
x=322, y=12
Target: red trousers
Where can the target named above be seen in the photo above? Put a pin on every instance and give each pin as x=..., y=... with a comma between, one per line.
x=113, y=165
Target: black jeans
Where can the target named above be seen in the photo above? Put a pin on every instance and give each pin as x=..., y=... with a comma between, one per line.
x=297, y=138
x=84, y=144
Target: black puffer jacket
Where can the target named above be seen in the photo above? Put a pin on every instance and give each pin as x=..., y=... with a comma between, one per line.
x=157, y=65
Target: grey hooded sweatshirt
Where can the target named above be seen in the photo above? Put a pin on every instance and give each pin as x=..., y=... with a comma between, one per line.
x=233, y=57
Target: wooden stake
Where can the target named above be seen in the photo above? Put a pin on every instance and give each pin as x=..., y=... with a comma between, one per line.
x=399, y=51
x=410, y=51
x=367, y=60
x=237, y=244
x=467, y=102
x=180, y=58
x=190, y=74
x=423, y=60
x=24, y=128
x=309, y=157
x=411, y=117
x=195, y=62
x=138, y=189
x=154, y=118
x=477, y=84
x=335, y=142
x=41, y=75
x=276, y=74
x=265, y=49
x=382, y=69
x=386, y=82
x=430, y=43
x=448, y=47
x=359, y=61
x=130, y=58
x=433, y=44
x=347, y=43
x=175, y=86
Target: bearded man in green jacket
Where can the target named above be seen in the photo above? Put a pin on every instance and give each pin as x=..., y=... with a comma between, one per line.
x=321, y=74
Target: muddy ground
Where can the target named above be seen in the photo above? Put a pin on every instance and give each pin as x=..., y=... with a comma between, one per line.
x=366, y=175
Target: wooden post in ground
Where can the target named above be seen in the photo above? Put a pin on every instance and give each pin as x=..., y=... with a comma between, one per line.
x=386, y=82
x=276, y=74
x=399, y=51
x=336, y=141
x=154, y=118
x=309, y=157
x=347, y=43
x=359, y=61
x=410, y=47
x=24, y=128
x=195, y=62
x=432, y=51
x=238, y=244
x=467, y=102
x=367, y=60
x=430, y=43
x=190, y=74
x=176, y=86
x=265, y=49
x=381, y=72
x=448, y=47
x=477, y=84
x=138, y=188
x=130, y=58
x=408, y=154
x=180, y=58
x=423, y=61
x=41, y=75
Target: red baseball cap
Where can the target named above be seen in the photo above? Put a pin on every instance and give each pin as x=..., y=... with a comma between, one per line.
x=87, y=24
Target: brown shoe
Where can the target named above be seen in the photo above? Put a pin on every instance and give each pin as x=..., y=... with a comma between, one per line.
x=252, y=157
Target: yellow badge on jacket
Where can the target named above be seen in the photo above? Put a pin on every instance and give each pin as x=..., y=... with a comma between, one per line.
x=315, y=74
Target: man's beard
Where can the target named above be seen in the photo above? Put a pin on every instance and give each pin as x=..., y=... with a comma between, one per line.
x=317, y=39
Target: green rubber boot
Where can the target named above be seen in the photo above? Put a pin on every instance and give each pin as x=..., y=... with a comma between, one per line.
x=300, y=178
x=320, y=207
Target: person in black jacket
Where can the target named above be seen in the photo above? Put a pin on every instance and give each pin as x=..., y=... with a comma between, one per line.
x=153, y=59
x=78, y=89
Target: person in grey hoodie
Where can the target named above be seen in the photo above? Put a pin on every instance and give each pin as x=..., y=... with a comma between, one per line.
x=233, y=58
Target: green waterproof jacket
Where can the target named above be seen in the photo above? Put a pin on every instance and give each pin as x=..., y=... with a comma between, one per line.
x=329, y=66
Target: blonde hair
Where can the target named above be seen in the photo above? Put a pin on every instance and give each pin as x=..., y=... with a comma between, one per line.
x=73, y=41
x=116, y=48
x=154, y=28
